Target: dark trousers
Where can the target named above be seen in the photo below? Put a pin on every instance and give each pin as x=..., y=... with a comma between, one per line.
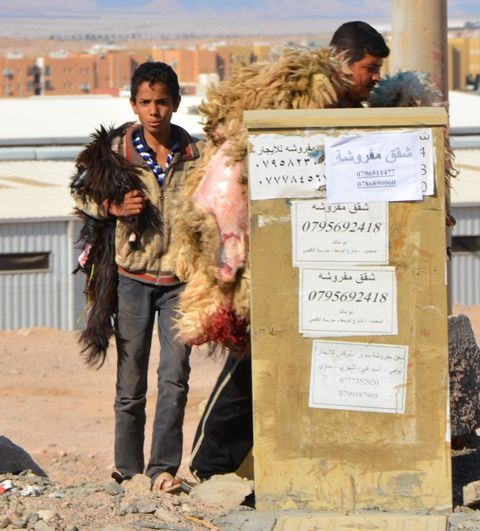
x=225, y=433
x=138, y=304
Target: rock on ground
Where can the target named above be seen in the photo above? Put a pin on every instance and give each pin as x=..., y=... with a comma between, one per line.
x=464, y=367
x=227, y=490
x=15, y=459
x=93, y=506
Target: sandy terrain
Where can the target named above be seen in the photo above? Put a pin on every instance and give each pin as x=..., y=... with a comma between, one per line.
x=61, y=412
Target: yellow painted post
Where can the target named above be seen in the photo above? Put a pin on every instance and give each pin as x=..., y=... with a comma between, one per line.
x=340, y=459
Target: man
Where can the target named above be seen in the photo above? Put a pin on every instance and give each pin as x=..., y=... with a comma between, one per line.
x=224, y=435
x=365, y=50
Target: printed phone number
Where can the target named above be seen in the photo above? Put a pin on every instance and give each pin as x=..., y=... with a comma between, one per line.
x=341, y=226
x=348, y=296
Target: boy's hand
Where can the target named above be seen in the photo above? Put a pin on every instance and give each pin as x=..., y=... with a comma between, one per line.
x=132, y=205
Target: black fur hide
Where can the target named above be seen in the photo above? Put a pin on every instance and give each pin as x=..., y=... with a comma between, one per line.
x=103, y=174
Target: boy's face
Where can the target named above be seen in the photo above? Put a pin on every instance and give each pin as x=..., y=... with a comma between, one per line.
x=154, y=107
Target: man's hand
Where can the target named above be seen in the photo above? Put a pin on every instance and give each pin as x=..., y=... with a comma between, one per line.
x=132, y=205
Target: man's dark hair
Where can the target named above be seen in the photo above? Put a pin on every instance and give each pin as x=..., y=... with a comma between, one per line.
x=357, y=39
x=155, y=72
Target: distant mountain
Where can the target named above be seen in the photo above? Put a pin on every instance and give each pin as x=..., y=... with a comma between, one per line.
x=42, y=18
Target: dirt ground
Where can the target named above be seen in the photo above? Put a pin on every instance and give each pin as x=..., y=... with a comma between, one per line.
x=61, y=412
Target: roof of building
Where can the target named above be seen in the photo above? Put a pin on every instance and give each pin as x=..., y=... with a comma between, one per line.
x=39, y=189
x=75, y=117
x=464, y=109
x=35, y=190
x=71, y=119
x=465, y=188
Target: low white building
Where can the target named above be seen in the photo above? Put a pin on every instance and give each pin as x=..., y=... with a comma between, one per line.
x=465, y=208
x=38, y=230
x=39, y=139
x=55, y=127
x=37, y=254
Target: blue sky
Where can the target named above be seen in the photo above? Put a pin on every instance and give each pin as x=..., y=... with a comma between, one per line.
x=293, y=8
x=455, y=7
x=188, y=4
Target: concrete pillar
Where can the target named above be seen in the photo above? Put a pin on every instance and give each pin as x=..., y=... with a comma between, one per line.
x=419, y=39
x=419, y=42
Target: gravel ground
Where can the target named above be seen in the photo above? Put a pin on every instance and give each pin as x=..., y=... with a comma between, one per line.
x=61, y=413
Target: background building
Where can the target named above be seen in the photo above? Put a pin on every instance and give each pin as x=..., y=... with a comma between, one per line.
x=39, y=140
x=108, y=69
x=38, y=230
x=464, y=63
x=37, y=252
x=62, y=73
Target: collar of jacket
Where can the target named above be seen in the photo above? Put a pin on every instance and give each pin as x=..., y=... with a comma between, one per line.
x=188, y=148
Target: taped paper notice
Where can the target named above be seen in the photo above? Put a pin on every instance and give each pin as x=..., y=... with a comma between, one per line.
x=358, y=376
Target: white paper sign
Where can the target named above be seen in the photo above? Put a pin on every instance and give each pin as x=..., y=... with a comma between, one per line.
x=358, y=376
x=348, y=301
x=281, y=166
x=427, y=166
x=351, y=233
x=373, y=167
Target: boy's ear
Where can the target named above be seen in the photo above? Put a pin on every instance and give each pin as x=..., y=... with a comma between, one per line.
x=177, y=103
x=134, y=105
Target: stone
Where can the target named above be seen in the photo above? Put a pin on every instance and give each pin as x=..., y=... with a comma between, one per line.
x=32, y=490
x=33, y=517
x=14, y=459
x=138, y=483
x=471, y=494
x=86, y=490
x=57, y=495
x=16, y=511
x=164, y=515
x=116, y=527
x=19, y=523
x=146, y=506
x=227, y=490
x=46, y=515
x=113, y=488
x=127, y=508
x=42, y=526
x=152, y=525
x=464, y=368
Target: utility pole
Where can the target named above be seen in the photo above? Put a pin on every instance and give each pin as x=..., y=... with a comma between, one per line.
x=419, y=39
x=419, y=42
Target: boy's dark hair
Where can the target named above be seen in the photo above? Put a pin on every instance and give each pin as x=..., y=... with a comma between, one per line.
x=357, y=39
x=155, y=72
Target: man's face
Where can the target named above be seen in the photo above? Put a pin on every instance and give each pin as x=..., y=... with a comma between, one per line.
x=365, y=75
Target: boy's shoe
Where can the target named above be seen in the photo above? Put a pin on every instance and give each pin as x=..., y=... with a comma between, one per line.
x=167, y=483
x=119, y=477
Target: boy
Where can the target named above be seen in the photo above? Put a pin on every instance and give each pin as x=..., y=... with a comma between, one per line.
x=161, y=155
